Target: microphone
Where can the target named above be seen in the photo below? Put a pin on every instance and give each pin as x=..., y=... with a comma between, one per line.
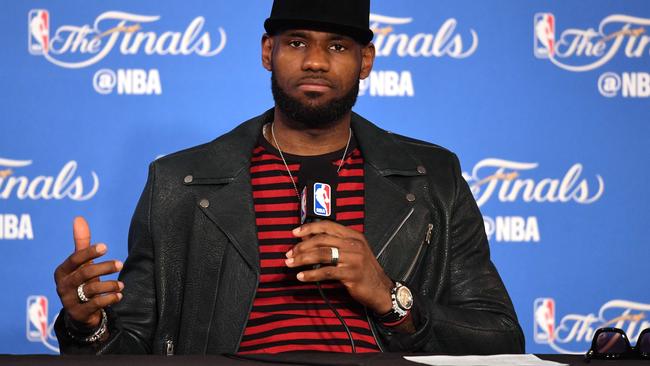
x=317, y=202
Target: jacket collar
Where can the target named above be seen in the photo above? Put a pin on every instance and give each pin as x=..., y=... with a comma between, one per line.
x=374, y=144
x=232, y=152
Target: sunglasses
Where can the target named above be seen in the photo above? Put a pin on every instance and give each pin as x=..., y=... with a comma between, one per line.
x=613, y=344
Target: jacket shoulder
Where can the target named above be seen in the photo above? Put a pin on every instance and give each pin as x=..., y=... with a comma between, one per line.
x=183, y=158
x=427, y=152
x=224, y=156
x=419, y=143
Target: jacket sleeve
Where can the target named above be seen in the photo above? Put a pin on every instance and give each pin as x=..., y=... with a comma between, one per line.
x=472, y=313
x=132, y=321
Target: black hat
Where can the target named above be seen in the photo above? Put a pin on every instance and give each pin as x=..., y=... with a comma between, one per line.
x=347, y=17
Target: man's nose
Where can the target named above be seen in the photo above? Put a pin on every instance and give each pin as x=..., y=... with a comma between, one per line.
x=316, y=59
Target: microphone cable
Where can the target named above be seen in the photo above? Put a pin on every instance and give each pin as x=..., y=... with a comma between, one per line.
x=307, y=174
x=338, y=316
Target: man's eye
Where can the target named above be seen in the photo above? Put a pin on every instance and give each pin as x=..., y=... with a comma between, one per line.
x=296, y=44
x=338, y=47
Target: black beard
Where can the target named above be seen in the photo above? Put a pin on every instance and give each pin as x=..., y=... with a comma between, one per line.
x=308, y=117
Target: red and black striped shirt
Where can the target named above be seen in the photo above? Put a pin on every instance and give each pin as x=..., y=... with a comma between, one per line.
x=289, y=315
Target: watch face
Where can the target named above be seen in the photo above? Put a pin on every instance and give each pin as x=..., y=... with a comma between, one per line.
x=404, y=298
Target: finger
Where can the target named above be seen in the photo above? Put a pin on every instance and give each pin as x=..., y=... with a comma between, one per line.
x=81, y=257
x=99, y=302
x=86, y=273
x=97, y=288
x=317, y=241
x=321, y=274
x=80, y=233
x=326, y=227
x=313, y=256
x=319, y=227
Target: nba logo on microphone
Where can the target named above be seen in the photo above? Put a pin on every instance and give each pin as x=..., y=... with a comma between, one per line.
x=322, y=199
x=544, y=320
x=37, y=322
x=38, y=29
x=544, y=35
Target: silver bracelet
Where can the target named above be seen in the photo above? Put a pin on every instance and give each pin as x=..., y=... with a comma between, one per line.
x=97, y=334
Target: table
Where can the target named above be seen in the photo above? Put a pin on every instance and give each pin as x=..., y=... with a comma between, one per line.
x=300, y=358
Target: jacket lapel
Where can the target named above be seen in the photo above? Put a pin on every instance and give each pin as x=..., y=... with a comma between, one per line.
x=231, y=209
x=221, y=189
x=229, y=201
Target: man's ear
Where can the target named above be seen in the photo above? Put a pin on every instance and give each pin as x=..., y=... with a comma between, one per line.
x=367, y=60
x=267, y=52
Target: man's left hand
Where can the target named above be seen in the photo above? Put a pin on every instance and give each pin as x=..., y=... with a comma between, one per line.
x=357, y=268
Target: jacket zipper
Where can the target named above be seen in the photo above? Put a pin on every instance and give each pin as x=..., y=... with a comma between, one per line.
x=426, y=241
x=169, y=347
x=383, y=248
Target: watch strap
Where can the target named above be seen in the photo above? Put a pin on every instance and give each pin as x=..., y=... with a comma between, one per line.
x=397, y=314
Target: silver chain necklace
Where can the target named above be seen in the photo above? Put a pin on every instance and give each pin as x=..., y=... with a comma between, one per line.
x=295, y=187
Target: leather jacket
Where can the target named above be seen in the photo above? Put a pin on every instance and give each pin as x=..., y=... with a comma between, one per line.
x=193, y=266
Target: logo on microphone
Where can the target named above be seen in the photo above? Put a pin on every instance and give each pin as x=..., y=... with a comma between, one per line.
x=322, y=199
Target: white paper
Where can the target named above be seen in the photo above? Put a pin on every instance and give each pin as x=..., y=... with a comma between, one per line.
x=494, y=360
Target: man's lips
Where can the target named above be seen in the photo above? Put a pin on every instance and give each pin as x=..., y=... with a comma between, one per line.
x=314, y=85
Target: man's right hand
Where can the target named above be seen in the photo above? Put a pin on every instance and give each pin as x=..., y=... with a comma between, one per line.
x=79, y=268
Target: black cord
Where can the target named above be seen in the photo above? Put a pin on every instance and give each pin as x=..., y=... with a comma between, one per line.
x=340, y=318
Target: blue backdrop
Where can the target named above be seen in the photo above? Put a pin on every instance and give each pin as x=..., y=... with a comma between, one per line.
x=545, y=102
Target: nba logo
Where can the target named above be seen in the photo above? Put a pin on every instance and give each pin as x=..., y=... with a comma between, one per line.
x=544, y=313
x=322, y=199
x=37, y=325
x=544, y=35
x=38, y=24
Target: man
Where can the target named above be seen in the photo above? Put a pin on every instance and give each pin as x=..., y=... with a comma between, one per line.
x=219, y=263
